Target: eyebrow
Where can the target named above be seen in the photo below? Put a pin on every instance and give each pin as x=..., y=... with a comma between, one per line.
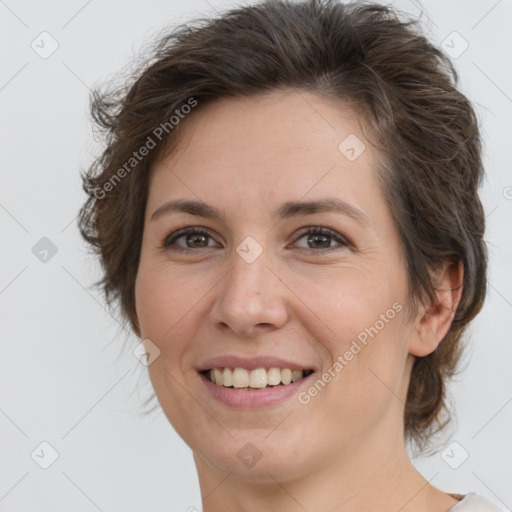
x=286, y=210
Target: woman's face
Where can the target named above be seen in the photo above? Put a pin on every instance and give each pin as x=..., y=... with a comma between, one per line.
x=260, y=284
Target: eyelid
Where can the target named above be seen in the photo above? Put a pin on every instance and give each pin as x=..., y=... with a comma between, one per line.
x=183, y=231
x=178, y=233
x=323, y=230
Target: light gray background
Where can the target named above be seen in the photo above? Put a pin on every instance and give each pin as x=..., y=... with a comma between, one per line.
x=62, y=377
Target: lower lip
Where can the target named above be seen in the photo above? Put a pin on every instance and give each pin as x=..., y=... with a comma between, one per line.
x=249, y=399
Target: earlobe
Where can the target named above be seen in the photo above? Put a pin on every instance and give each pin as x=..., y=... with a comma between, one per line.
x=434, y=320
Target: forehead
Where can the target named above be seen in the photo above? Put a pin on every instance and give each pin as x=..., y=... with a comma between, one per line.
x=270, y=124
x=266, y=149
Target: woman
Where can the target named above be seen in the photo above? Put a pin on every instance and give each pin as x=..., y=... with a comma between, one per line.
x=287, y=214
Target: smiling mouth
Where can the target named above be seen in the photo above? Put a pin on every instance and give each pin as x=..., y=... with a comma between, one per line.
x=259, y=378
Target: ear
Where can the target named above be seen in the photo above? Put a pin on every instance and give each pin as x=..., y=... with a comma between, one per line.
x=433, y=321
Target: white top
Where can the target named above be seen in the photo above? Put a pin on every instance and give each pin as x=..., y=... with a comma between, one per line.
x=473, y=502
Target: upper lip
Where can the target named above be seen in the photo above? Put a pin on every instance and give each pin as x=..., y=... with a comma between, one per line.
x=232, y=361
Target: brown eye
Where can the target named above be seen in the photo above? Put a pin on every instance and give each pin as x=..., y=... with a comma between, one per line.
x=321, y=238
x=195, y=238
x=317, y=239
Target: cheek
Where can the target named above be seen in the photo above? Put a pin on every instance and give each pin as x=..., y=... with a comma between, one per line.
x=348, y=304
x=361, y=328
x=163, y=298
x=165, y=307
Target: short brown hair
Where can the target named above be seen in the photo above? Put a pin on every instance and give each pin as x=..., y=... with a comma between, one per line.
x=360, y=53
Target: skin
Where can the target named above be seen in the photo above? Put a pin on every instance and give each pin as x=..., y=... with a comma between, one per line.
x=344, y=450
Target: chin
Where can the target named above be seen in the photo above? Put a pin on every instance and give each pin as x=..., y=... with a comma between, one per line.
x=258, y=457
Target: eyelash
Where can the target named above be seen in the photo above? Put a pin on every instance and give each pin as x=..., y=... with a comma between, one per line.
x=176, y=235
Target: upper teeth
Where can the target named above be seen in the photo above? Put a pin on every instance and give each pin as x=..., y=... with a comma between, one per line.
x=258, y=378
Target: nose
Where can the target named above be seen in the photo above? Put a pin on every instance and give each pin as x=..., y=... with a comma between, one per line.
x=251, y=298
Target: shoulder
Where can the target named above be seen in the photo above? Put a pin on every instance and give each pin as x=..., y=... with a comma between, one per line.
x=473, y=502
